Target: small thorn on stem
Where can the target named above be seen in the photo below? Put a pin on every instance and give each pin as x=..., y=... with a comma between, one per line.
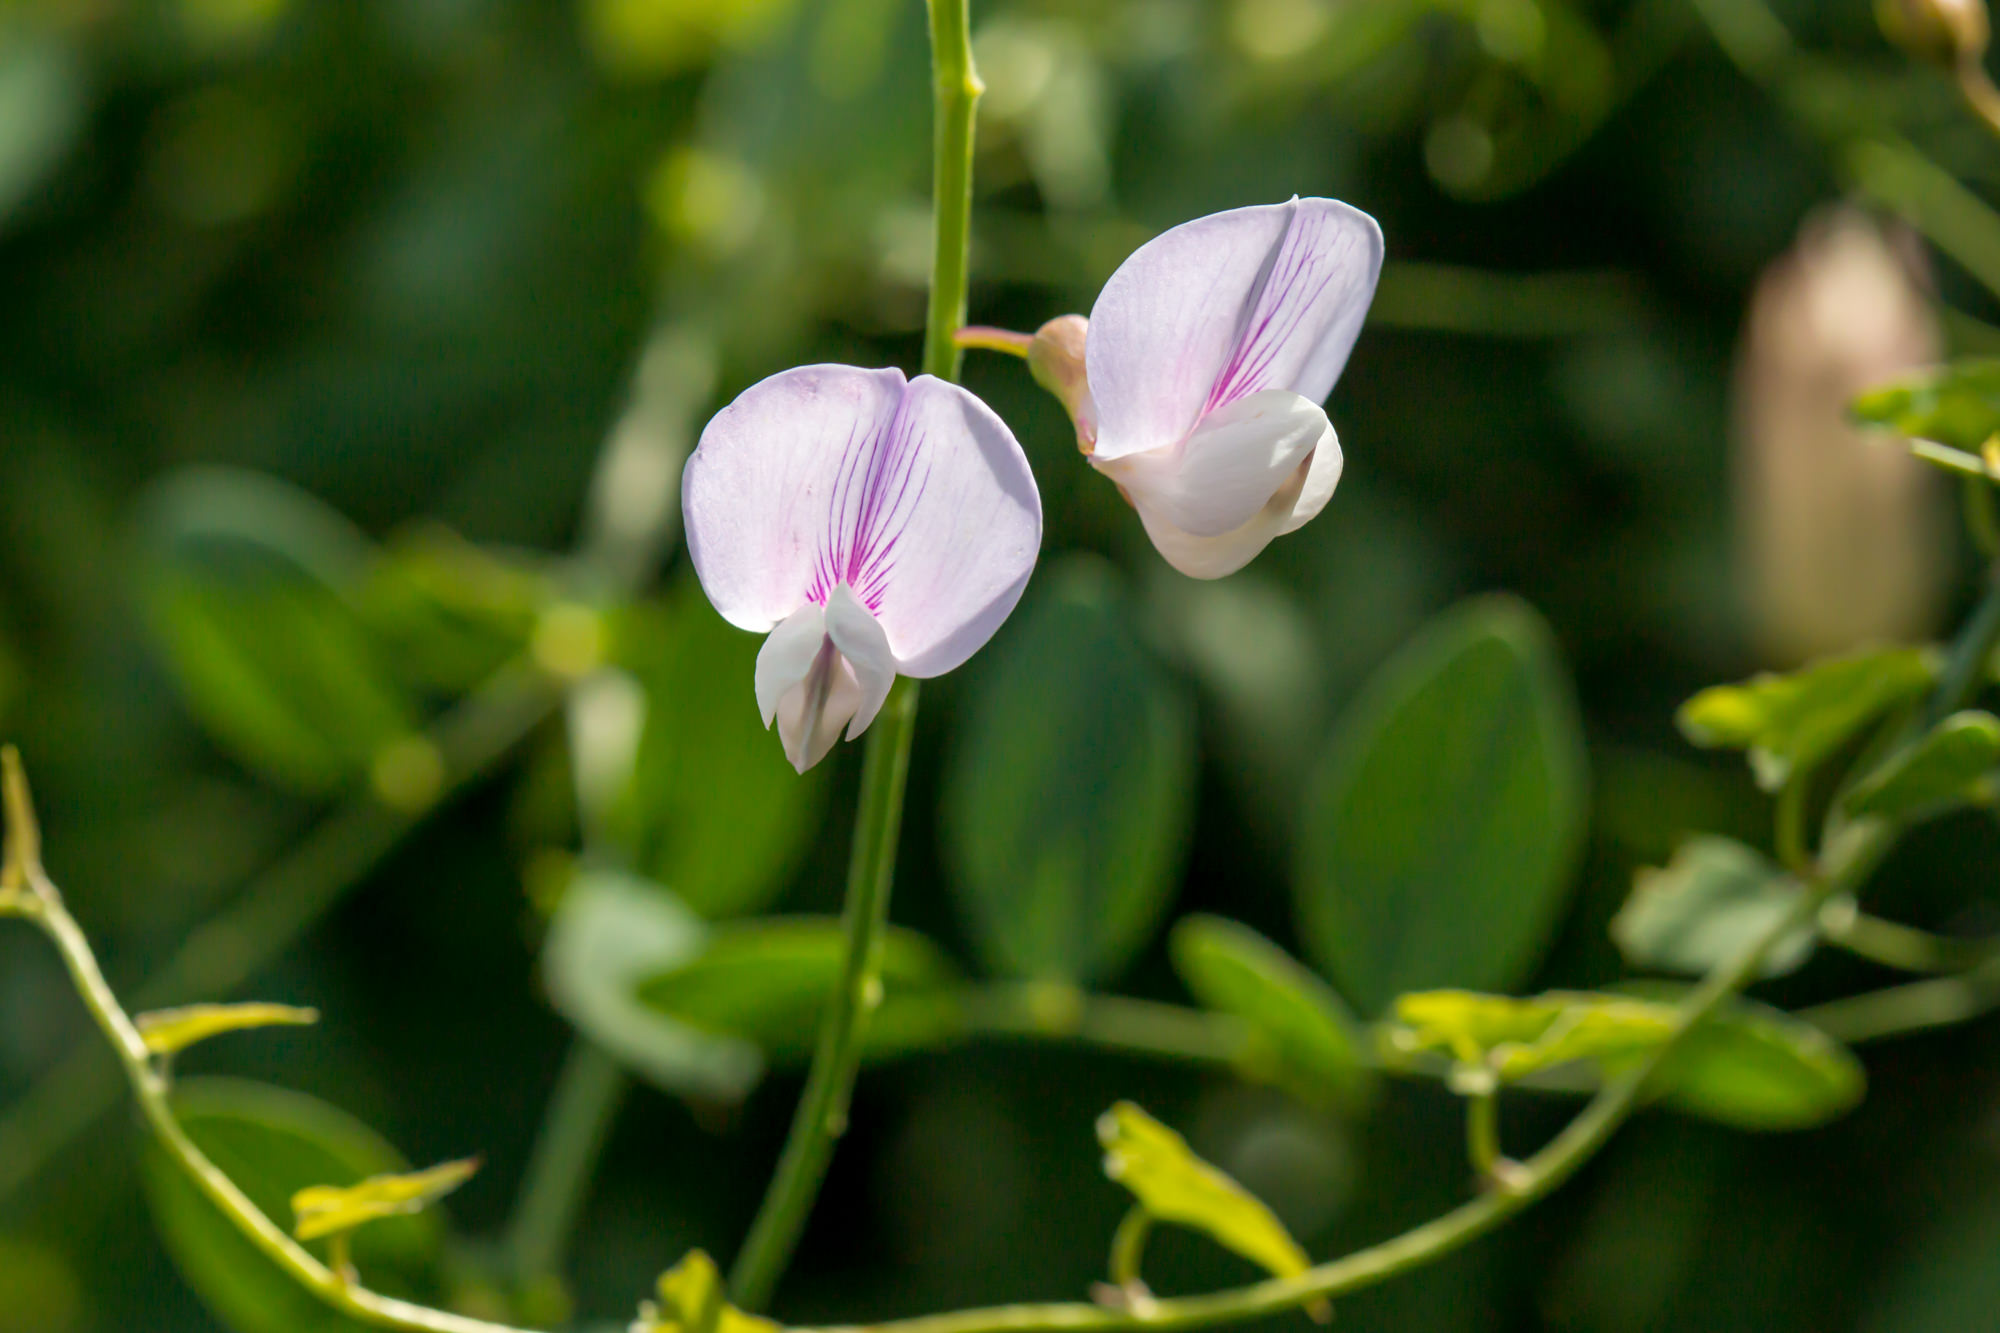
x=1507, y=1176
x=21, y=869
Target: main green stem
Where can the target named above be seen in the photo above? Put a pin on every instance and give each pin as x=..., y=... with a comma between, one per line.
x=822, y=1113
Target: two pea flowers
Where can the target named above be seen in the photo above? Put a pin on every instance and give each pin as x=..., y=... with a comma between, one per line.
x=874, y=526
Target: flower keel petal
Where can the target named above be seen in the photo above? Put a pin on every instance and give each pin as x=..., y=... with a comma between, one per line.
x=865, y=648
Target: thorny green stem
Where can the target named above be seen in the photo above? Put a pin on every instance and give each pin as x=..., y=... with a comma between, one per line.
x=272, y=912
x=42, y=905
x=822, y=1111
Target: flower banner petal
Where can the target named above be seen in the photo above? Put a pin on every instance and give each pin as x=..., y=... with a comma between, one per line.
x=770, y=490
x=951, y=552
x=1268, y=297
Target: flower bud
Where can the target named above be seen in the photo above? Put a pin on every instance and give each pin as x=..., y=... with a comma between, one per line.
x=1943, y=32
x=1055, y=358
x=1840, y=535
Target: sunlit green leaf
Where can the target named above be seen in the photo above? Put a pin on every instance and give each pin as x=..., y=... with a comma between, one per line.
x=244, y=583
x=768, y=981
x=1705, y=905
x=692, y=1300
x=1441, y=832
x=169, y=1030
x=273, y=1143
x=1306, y=1037
x=1176, y=1186
x=611, y=933
x=1069, y=791
x=1956, y=404
x=1951, y=765
x=1797, y=719
x=714, y=811
x=1748, y=1065
x=322, y=1210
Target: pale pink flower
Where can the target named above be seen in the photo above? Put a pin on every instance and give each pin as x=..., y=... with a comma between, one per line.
x=872, y=525
x=1206, y=359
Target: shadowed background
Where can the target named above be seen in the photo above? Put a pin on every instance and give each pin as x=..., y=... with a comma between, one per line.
x=348, y=352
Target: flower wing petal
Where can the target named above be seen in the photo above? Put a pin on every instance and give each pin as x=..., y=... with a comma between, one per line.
x=948, y=558
x=769, y=493
x=1213, y=310
x=1236, y=460
x=1322, y=475
x=861, y=641
x=787, y=655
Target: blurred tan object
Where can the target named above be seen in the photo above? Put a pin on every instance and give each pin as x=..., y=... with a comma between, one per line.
x=1841, y=535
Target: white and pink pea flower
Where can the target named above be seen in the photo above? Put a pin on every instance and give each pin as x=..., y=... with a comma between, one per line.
x=872, y=525
x=1197, y=382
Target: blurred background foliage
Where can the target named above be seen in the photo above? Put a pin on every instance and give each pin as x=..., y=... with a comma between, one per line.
x=351, y=350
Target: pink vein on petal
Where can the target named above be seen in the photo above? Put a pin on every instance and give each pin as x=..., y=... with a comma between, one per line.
x=878, y=487
x=1298, y=277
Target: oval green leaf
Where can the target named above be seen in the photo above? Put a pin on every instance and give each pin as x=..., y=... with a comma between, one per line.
x=1951, y=766
x=1705, y=906
x=1304, y=1036
x=1442, y=830
x=611, y=932
x=768, y=981
x=1070, y=788
x=1956, y=404
x=244, y=581
x=1794, y=720
x=273, y=1143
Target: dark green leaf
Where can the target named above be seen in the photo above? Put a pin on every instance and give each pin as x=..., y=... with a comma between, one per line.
x=1951, y=765
x=244, y=582
x=1306, y=1037
x=714, y=810
x=1956, y=404
x=1442, y=830
x=768, y=981
x=448, y=613
x=611, y=933
x=1070, y=788
x=1705, y=905
x=273, y=1143
x=1795, y=720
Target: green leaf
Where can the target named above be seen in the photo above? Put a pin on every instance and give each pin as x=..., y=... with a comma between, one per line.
x=169, y=1030
x=1952, y=765
x=1442, y=830
x=446, y=612
x=1705, y=905
x=1957, y=404
x=1306, y=1036
x=611, y=933
x=1069, y=790
x=1176, y=1186
x=1795, y=720
x=768, y=981
x=244, y=582
x=692, y=1300
x=714, y=811
x=273, y=1143
x=1755, y=1067
x=1748, y=1065
x=322, y=1210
